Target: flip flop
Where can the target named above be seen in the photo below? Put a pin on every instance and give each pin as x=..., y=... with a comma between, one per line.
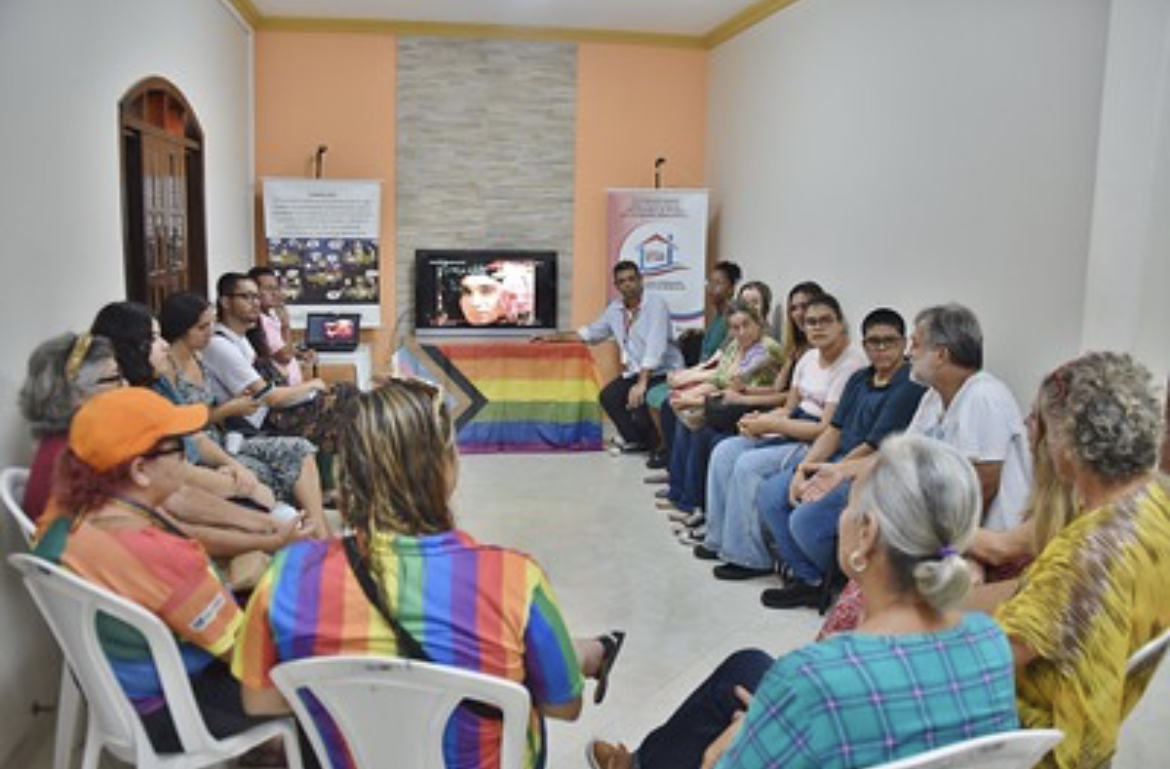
x=612, y=646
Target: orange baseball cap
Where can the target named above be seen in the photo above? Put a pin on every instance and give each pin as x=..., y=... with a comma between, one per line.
x=119, y=425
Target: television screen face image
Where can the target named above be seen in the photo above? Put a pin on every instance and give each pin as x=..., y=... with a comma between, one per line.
x=485, y=291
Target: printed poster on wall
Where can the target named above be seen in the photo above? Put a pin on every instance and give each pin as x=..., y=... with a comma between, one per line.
x=664, y=232
x=323, y=241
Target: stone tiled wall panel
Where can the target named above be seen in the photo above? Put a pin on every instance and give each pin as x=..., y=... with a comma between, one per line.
x=486, y=143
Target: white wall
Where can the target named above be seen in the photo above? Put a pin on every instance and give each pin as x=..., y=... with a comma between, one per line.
x=64, y=65
x=909, y=152
x=1128, y=277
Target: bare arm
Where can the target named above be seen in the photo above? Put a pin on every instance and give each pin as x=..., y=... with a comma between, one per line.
x=986, y=598
x=567, y=711
x=283, y=397
x=988, y=473
x=999, y=547
x=263, y=702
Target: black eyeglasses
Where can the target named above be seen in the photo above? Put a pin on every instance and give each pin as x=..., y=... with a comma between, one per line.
x=112, y=379
x=882, y=342
x=174, y=448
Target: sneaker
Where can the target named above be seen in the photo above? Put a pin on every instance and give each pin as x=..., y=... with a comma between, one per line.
x=665, y=504
x=634, y=448
x=703, y=553
x=679, y=516
x=655, y=479
x=735, y=572
x=693, y=537
x=656, y=461
x=662, y=493
x=794, y=595
x=697, y=518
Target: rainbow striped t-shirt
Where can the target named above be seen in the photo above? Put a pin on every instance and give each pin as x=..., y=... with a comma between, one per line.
x=472, y=606
x=167, y=574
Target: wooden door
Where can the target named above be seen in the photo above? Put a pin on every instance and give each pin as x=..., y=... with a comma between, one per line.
x=162, y=191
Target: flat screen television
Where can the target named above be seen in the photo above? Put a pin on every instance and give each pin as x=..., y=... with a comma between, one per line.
x=485, y=292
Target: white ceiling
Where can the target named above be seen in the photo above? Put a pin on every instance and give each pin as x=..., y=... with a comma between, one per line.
x=673, y=17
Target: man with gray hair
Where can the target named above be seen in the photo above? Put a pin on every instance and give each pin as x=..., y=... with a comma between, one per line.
x=971, y=410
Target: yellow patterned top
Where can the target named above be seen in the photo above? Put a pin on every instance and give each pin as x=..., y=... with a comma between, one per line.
x=1098, y=593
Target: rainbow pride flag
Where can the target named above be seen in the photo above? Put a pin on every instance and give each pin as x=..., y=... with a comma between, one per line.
x=513, y=396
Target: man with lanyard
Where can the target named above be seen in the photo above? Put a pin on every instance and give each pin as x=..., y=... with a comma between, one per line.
x=641, y=326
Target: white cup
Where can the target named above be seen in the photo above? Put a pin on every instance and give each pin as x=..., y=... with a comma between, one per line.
x=233, y=442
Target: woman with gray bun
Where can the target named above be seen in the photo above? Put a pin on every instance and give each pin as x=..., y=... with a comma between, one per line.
x=915, y=675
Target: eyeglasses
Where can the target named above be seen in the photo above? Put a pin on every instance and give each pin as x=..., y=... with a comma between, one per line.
x=816, y=321
x=174, y=448
x=882, y=342
x=112, y=379
x=251, y=296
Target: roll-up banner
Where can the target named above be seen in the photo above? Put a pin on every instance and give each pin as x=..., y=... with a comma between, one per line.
x=664, y=232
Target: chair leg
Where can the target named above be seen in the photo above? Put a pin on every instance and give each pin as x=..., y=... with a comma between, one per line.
x=69, y=705
x=93, y=747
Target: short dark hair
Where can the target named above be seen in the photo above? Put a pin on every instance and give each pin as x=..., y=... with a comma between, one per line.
x=826, y=300
x=180, y=311
x=262, y=271
x=807, y=287
x=730, y=270
x=130, y=327
x=955, y=329
x=623, y=266
x=884, y=316
x=225, y=286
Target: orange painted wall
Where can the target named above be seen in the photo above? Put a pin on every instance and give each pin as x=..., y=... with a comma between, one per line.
x=338, y=90
x=634, y=104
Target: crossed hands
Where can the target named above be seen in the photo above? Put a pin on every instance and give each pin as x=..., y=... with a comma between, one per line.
x=813, y=480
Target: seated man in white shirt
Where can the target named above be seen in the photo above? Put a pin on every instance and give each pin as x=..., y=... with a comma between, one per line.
x=229, y=356
x=640, y=324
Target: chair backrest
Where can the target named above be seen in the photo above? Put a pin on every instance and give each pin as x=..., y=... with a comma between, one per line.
x=71, y=607
x=12, y=483
x=1149, y=656
x=392, y=712
x=1021, y=749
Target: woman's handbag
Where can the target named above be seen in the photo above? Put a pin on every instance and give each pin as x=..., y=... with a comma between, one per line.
x=722, y=416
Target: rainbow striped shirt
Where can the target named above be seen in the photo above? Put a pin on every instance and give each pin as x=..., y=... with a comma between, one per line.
x=166, y=574
x=473, y=606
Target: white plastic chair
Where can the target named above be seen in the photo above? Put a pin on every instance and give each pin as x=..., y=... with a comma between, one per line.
x=1148, y=656
x=1020, y=749
x=71, y=607
x=12, y=483
x=70, y=705
x=392, y=712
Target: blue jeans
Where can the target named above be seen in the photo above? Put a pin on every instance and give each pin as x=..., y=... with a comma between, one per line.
x=680, y=742
x=738, y=466
x=806, y=535
x=689, y=454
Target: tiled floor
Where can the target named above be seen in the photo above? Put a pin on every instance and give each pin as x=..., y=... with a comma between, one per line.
x=590, y=521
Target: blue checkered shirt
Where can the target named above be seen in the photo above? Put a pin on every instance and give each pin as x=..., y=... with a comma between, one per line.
x=856, y=700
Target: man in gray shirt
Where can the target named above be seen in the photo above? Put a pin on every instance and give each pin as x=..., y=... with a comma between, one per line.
x=640, y=324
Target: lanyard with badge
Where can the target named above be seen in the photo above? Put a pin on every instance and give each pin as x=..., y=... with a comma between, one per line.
x=629, y=319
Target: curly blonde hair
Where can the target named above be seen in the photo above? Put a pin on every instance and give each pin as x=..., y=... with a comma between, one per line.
x=1102, y=408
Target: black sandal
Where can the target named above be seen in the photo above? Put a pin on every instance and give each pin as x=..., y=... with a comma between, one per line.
x=611, y=645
